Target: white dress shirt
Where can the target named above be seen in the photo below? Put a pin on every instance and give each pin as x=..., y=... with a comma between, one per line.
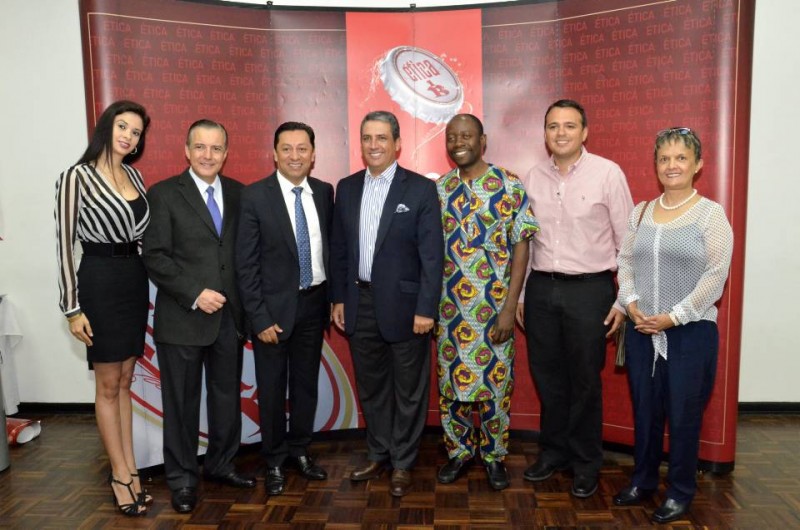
x=312, y=220
x=202, y=186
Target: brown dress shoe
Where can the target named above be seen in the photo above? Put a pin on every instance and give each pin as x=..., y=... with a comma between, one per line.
x=370, y=471
x=400, y=483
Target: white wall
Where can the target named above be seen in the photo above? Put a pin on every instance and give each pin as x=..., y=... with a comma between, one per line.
x=43, y=129
x=770, y=345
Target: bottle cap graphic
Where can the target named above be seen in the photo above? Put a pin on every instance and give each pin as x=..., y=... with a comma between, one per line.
x=422, y=84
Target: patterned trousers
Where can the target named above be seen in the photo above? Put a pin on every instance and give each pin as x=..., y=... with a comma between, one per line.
x=460, y=437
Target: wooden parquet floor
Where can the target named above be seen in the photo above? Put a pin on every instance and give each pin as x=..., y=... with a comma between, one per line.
x=58, y=482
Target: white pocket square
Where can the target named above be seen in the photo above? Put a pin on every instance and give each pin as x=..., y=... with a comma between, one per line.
x=401, y=208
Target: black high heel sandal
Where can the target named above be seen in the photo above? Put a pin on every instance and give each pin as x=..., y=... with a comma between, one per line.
x=144, y=498
x=133, y=509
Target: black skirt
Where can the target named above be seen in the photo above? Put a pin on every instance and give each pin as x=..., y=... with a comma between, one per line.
x=113, y=294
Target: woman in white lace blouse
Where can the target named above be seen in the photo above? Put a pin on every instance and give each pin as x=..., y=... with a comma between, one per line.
x=672, y=269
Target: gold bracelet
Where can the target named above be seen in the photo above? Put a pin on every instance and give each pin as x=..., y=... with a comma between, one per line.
x=74, y=317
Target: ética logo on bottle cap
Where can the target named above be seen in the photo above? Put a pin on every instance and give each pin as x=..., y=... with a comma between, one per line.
x=422, y=84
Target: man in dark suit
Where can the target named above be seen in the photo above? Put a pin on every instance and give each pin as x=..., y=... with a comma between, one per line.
x=188, y=252
x=386, y=263
x=282, y=268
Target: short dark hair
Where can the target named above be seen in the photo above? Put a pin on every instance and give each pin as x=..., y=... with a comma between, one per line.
x=472, y=117
x=206, y=124
x=689, y=137
x=103, y=135
x=567, y=104
x=293, y=126
x=384, y=116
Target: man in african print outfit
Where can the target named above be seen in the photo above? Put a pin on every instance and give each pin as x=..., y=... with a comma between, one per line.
x=487, y=224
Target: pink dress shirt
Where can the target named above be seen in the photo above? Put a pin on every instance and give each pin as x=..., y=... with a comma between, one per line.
x=583, y=215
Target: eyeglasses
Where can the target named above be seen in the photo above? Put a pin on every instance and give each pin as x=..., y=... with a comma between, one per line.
x=674, y=130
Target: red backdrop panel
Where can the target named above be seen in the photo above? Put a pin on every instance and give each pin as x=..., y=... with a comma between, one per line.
x=249, y=69
x=637, y=67
x=370, y=36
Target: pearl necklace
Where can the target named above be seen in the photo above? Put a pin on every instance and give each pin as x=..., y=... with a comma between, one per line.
x=687, y=199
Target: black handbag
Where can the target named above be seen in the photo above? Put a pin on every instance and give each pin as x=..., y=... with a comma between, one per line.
x=619, y=359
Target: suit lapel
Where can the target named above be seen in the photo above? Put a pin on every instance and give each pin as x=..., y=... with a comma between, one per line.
x=192, y=195
x=277, y=204
x=355, y=218
x=230, y=205
x=396, y=192
x=322, y=215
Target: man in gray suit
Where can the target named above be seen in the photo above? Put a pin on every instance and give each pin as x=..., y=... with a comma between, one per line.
x=188, y=252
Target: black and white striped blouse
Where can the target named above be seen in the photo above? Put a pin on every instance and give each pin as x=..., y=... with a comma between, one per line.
x=89, y=209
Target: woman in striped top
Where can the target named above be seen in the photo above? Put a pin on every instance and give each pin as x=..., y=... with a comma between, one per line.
x=100, y=202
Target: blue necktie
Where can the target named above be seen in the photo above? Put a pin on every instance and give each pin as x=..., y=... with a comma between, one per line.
x=213, y=209
x=303, y=241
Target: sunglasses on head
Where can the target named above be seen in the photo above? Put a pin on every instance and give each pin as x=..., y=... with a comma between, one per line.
x=674, y=130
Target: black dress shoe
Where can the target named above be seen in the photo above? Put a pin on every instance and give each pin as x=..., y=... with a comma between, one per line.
x=631, y=495
x=232, y=479
x=583, y=486
x=276, y=481
x=498, y=475
x=368, y=472
x=541, y=470
x=669, y=511
x=309, y=469
x=184, y=500
x=452, y=470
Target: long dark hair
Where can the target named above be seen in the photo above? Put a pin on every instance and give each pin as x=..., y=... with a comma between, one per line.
x=103, y=132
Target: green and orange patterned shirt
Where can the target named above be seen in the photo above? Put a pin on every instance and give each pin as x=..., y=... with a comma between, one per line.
x=482, y=221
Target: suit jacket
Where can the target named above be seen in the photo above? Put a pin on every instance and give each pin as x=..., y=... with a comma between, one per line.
x=184, y=255
x=267, y=264
x=407, y=266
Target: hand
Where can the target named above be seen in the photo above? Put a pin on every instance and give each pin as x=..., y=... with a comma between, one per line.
x=422, y=325
x=634, y=313
x=210, y=301
x=655, y=324
x=337, y=315
x=503, y=327
x=270, y=335
x=521, y=316
x=81, y=329
x=615, y=318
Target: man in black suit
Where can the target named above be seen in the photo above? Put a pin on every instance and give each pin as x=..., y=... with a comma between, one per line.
x=188, y=252
x=282, y=268
x=386, y=263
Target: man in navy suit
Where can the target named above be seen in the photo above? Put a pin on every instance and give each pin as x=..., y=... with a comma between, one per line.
x=387, y=253
x=188, y=253
x=282, y=268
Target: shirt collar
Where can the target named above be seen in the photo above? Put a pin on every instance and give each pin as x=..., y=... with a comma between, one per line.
x=202, y=185
x=388, y=173
x=577, y=163
x=287, y=185
x=456, y=173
